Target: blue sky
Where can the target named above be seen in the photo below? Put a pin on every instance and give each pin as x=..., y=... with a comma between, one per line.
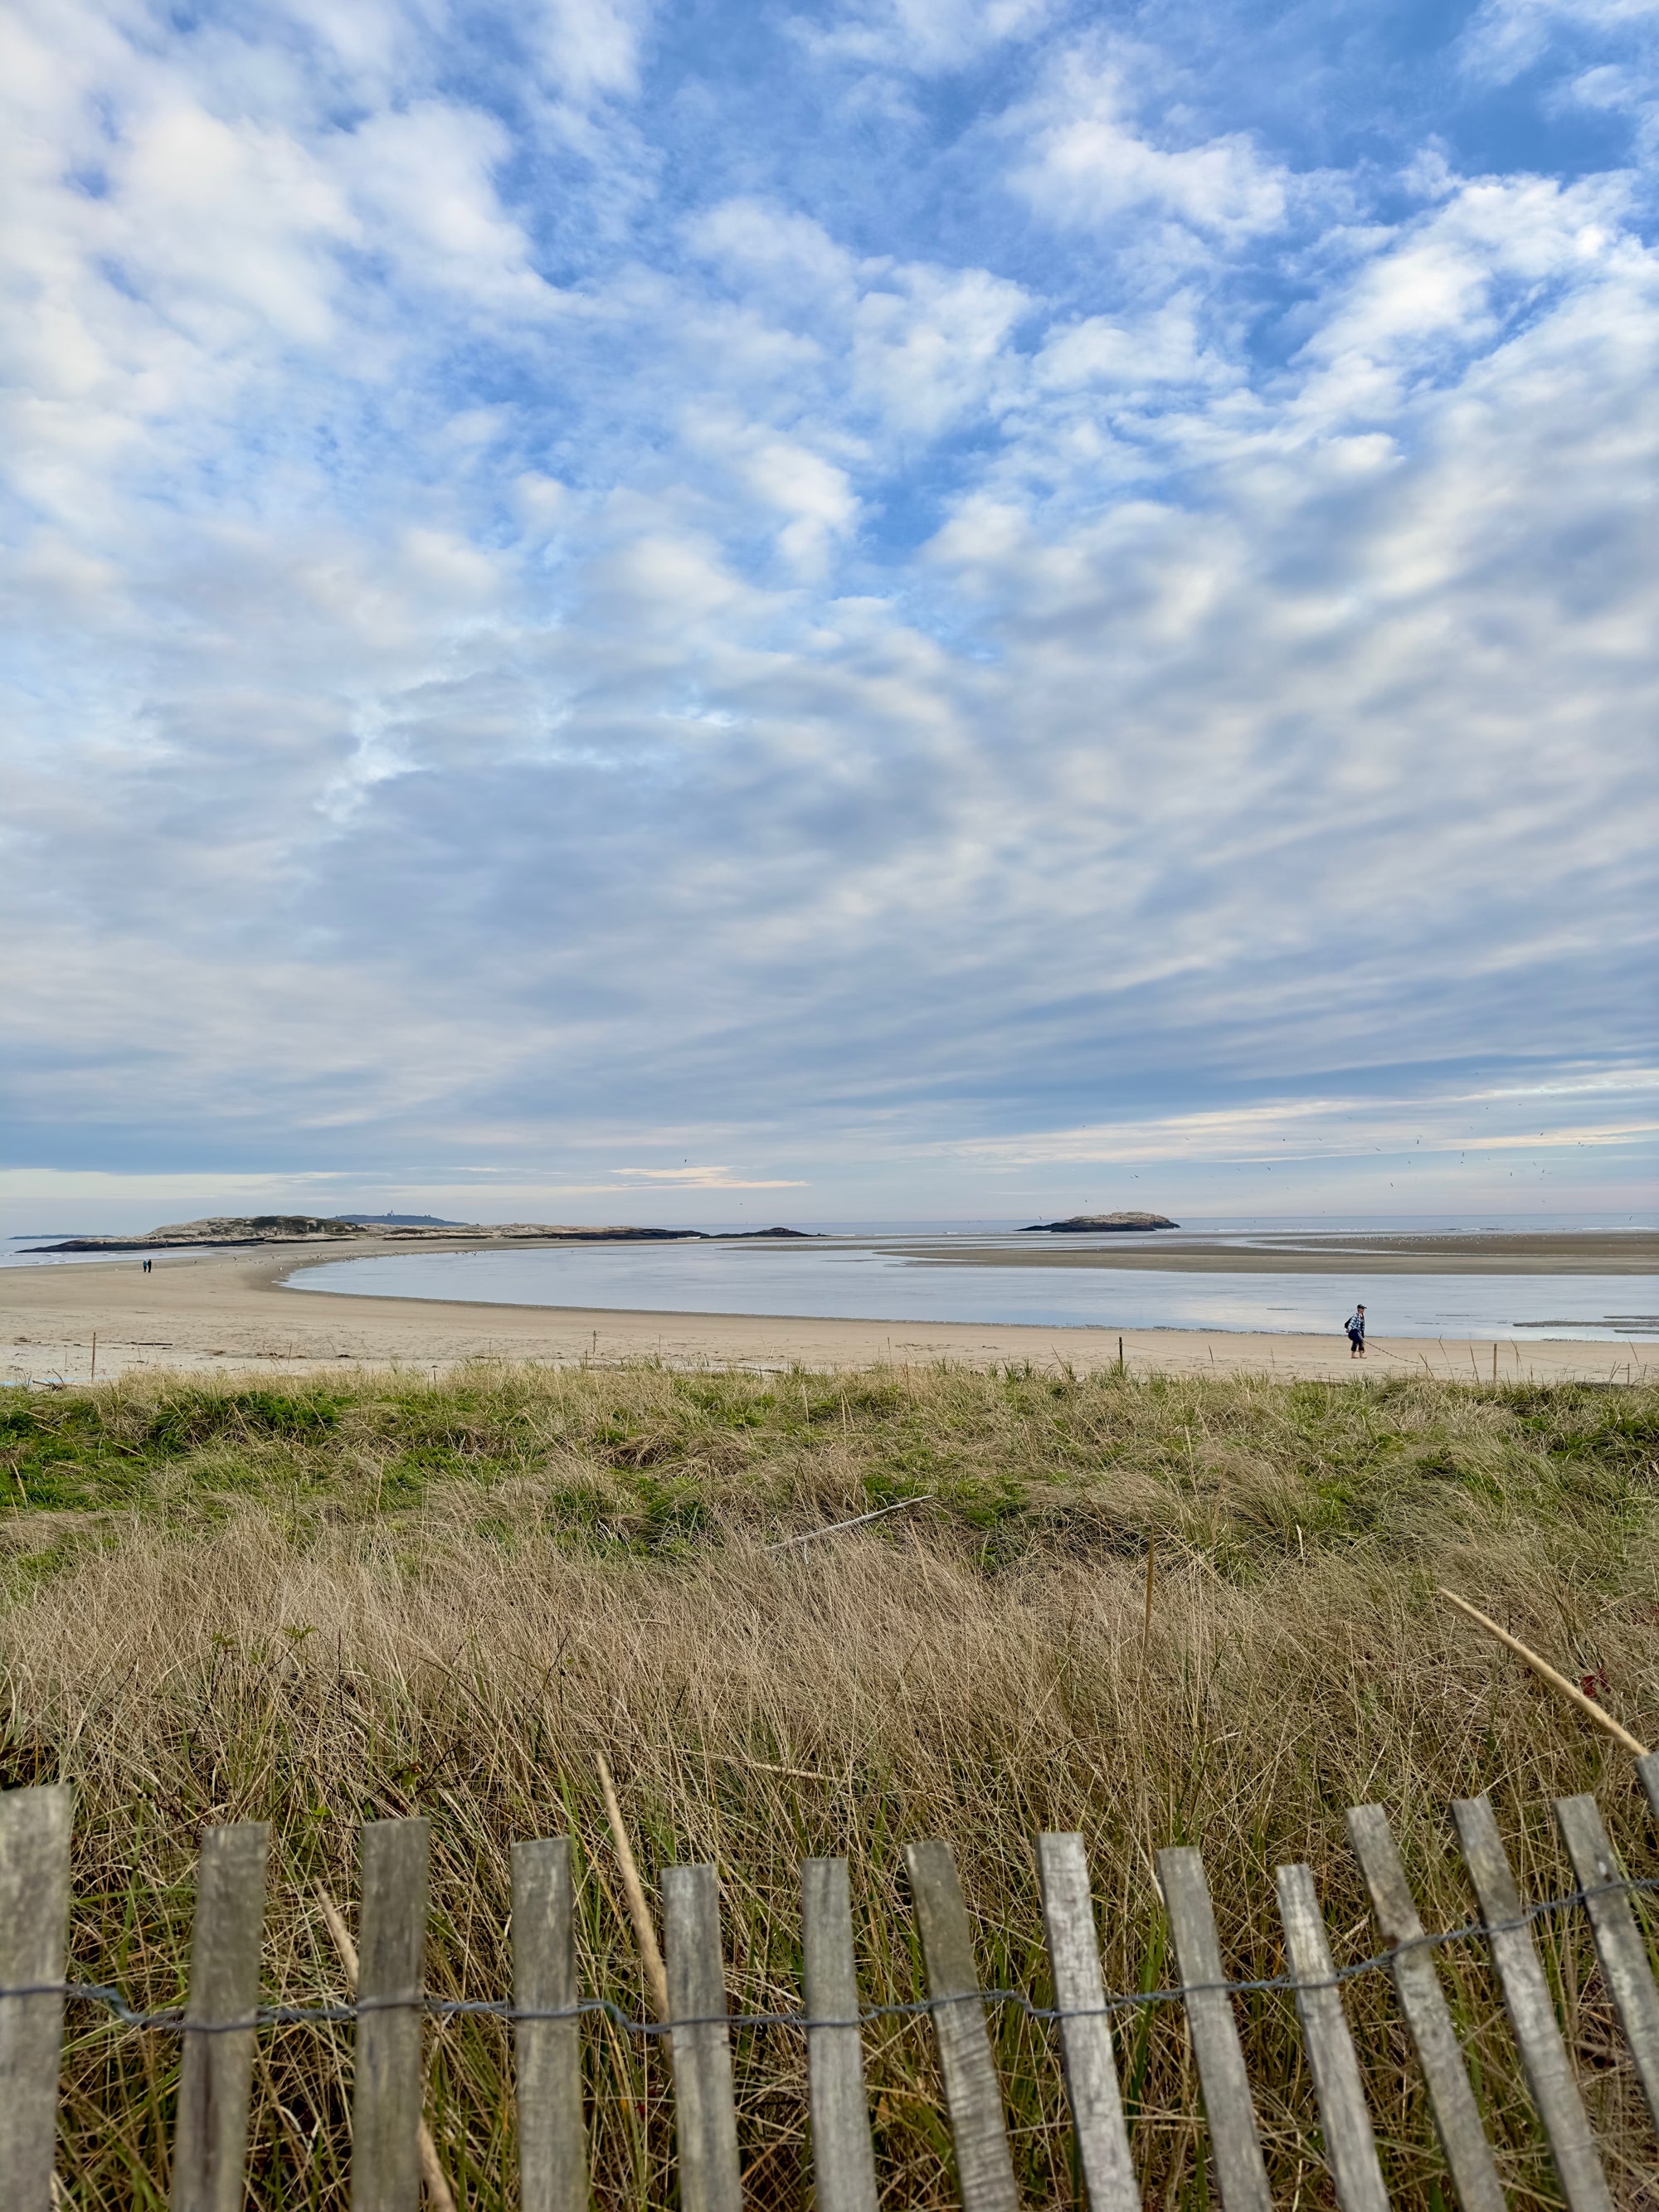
x=905, y=608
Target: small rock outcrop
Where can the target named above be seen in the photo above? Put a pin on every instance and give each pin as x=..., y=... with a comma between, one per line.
x=1086, y=1224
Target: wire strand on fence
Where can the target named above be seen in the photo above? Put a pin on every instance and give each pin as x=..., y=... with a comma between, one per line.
x=170, y=2019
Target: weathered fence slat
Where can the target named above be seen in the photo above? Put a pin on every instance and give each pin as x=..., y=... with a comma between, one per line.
x=390, y=2140
x=1532, y=2016
x=34, y=1873
x=552, y=2141
x=705, y=2114
x=1428, y=2016
x=1085, y=2042
x=1241, y=2171
x=1647, y=1768
x=973, y=2094
x=1618, y=1943
x=386, y=2111
x=1344, y=2118
x=210, y=2151
x=843, y=2157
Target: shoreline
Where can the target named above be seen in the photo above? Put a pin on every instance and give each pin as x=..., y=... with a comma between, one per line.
x=229, y=1313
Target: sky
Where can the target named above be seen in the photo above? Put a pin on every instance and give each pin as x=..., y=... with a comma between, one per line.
x=701, y=611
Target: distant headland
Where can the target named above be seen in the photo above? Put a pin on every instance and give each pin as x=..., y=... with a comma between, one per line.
x=1085, y=1224
x=222, y=1229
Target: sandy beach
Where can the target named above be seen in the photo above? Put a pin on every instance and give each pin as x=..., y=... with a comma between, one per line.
x=230, y=1312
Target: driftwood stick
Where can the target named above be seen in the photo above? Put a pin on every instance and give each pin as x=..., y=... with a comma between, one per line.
x=834, y=1527
x=638, y=1911
x=1570, y=1691
x=1147, y=1622
x=437, y=2189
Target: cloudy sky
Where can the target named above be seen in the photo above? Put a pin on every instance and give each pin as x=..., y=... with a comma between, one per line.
x=898, y=609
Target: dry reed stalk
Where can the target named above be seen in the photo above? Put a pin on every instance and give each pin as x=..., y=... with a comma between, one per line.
x=645, y=1935
x=1146, y=1623
x=1570, y=1691
x=432, y=2173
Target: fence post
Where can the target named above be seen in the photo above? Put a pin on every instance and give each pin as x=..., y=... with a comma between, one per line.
x=552, y=2141
x=1344, y=2118
x=1422, y=1999
x=386, y=2112
x=1532, y=2016
x=210, y=2151
x=843, y=2156
x=1647, y=1767
x=1085, y=2037
x=972, y=2091
x=1240, y=2170
x=1618, y=1943
x=34, y=1872
x=706, y=2120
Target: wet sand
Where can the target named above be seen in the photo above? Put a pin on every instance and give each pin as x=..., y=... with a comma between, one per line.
x=1336, y=1252
x=228, y=1313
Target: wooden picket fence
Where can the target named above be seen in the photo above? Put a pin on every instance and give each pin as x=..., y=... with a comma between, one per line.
x=220, y=2020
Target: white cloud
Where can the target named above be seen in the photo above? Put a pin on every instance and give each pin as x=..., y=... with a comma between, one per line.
x=811, y=493
x=701, y=1178
x=422, y=181
x=216, y=221
x=923, y=35
x=1087, y=161
x=1507, y=36
x=1443, y=286
x=1164, y=347
x=928, y=344
x=590, y=48
x=918, y=345
x=777, y=248
x=1295, y=1129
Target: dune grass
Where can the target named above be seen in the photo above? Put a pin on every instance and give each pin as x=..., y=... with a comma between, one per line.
x=326, y=1602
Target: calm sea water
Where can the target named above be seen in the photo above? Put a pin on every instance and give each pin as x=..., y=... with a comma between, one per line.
x=867, y=1280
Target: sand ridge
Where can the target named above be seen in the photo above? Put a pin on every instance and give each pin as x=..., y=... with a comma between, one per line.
x=230, y=1312
x=1322, y=1252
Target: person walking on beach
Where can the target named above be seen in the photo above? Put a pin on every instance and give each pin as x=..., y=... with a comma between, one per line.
x=147, y=1265
x=1355, y=1326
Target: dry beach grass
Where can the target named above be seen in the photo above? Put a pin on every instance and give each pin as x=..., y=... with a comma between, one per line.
x=325, y=1601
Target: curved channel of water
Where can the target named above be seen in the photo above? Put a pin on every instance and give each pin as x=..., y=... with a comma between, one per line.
x=863, y=1281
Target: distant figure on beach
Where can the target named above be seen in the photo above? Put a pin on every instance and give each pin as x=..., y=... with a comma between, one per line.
x=148, y=1264
x=1355, y=1326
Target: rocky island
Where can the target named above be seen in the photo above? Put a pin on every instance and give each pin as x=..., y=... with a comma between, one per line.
x=222, y=1229
x=1086, y=1224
